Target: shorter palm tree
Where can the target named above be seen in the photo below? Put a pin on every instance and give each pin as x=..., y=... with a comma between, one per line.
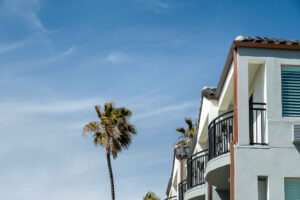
x=151, y=196
x=188, y=133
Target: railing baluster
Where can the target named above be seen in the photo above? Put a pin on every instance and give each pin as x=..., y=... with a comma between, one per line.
x=257, y=130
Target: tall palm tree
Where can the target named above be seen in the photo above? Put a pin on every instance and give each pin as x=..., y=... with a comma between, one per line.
x=151, y=196
x=188, y=133
x=112, y=131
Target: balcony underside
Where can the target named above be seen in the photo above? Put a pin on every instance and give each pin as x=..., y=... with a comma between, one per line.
x=196, y=193
x=217, y=172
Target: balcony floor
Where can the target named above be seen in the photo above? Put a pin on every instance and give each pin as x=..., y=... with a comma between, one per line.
x=217, y=172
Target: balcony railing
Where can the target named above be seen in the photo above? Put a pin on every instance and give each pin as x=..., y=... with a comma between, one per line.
x=173, y=198
x=182, y=187
x=195, y=168
x=257, y=124
x=220, y=134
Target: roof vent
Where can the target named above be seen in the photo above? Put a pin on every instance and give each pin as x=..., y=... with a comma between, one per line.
x=239, y=38
x=296, y=136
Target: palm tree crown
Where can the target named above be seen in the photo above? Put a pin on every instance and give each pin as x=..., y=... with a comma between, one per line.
x=188, y=133
x=151, y=196
x=112, y=131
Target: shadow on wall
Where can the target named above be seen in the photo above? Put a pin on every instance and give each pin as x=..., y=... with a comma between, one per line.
x=222, y=195
x=297, y=147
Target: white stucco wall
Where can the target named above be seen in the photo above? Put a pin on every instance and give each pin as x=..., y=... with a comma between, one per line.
x=209, y=111
x=281, y=158
x=176, y=176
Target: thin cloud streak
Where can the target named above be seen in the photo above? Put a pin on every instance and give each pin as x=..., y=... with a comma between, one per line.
x=115, y=57
x=166, y=109
x=50, y=107
x=26, y=10
x=163, y=5
x=57, y=57
x=12, y=46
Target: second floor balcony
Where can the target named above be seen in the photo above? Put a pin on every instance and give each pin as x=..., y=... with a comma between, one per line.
x=220, y=134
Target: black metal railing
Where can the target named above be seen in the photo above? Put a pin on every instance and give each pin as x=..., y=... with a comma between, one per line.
x=173, y=198
x=220, y=134
x=195, y=169
x=182, y=187
x=257, y=123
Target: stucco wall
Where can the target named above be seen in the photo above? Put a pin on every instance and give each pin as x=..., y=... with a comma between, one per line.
x=281, y=158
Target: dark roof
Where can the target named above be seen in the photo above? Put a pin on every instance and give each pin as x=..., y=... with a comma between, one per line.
x=267, y=40
x=181, y=151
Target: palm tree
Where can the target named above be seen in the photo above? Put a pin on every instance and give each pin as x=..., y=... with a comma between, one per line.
x=151, y=196
x=112, y=131
x=187, y=134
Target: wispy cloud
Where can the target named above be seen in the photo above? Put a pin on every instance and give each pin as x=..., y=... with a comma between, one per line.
x=60, y=56
x=24, y=10
x=162, y=5
x=55, y=107
x=157, y=5
x=116, y=57
x=12, y=46
x=166, y=109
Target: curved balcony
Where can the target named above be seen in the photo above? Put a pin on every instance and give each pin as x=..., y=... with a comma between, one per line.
x=220, y=135
x=195, y=175
x=195, y=167
x=182, y=187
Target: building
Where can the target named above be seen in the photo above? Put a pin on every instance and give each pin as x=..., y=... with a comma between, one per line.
x=178, y=174
x=247, y=146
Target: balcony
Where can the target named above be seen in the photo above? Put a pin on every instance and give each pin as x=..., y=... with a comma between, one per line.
x=195, y=183
x=182, y=187
x=220, y=135
x=195, y=167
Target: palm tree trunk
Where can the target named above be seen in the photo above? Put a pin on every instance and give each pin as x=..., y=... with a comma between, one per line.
x=111, y=177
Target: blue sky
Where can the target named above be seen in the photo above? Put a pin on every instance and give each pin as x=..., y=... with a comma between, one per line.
x=60, y=58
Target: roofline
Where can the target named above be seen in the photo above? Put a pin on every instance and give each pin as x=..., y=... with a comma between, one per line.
x=237, y=44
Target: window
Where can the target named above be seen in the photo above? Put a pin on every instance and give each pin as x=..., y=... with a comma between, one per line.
x=262, y=188
x=292, y=188
x=290, y=87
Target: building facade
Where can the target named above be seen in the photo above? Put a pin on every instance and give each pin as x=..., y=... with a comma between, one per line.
x=247, y=146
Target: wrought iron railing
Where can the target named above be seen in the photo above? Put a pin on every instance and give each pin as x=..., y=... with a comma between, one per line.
x=220, y=134
x=257, y=124
x=182, y=187
x=195, y=168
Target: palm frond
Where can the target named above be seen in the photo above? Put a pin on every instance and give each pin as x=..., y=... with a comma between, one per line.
x=116, y=147
x=151, y=196
x=98, y=110
x=180, y=130
x=99, y=139
x=91, y=127
x=108, y=108
x=189, y=123
x=183, y=142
